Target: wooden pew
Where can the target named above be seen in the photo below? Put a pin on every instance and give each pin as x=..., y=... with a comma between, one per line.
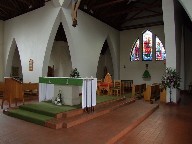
x=163, y=95
x=127, y=85
x=12, y=91
x=152, y=92
x=137, y=90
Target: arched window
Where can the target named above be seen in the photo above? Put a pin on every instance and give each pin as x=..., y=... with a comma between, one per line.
x=148, y=40
x=160, y=50
x=135, y=52
x=147, y=45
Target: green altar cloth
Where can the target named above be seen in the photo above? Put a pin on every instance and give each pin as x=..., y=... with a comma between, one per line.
x=61, y=81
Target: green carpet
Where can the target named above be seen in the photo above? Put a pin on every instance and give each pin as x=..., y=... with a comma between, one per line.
x=47, y=108
x=30, y=116
x=39, y=113
x=104, y=98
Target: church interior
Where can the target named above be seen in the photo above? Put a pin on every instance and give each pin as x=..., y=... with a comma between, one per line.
x=87, y=71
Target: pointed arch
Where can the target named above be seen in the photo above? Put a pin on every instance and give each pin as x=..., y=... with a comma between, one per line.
x=10, y=58
x=114, y=56
x=135, y=51
x=147, y=45
x=59, y=19
x=160, y=53
x=105, y=64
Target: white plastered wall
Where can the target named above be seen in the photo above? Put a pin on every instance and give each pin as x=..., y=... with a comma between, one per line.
x=187, y=5
x=34, y=33
x=61, y=59
x=1, y=49
x=86, y=41
x=134, y=70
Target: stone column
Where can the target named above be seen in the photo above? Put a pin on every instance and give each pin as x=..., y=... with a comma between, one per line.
x=170, y=43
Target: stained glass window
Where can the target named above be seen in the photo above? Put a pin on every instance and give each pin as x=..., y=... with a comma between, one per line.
x=147, y=46
x=160, y=50
x=134, y=55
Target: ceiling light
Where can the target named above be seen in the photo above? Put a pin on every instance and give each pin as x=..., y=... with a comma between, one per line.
x=85, y=6
x=30, y=6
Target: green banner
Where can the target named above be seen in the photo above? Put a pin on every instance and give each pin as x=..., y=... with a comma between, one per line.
x=61, y=81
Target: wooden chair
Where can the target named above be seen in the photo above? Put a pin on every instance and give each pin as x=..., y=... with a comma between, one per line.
x=116, y=90
x=98, y=87
x=106, y=85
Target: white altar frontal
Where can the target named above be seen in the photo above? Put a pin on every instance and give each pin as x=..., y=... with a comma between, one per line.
x=70, y=88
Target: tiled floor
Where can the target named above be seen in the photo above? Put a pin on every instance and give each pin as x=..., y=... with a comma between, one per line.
x=167, y=125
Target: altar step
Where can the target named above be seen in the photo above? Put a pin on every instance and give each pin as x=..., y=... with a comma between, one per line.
x=76, y=117
x=65, y=119
x=29, y=116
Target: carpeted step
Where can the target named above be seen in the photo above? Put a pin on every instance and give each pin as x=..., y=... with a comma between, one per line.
x=29, y=116
x=70, y=122
x=84, y=117
x=47, y=109
x=98, y=106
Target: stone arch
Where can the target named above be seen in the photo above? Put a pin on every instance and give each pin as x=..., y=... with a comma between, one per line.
x=10, y=58
x=115, y=58
x=60, y=19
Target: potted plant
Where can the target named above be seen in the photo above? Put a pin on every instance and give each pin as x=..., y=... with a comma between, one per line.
x=171, y=79
x=75, y=73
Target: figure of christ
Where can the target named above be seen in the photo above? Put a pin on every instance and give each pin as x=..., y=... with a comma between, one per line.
x=147, y=47
x=74, y=8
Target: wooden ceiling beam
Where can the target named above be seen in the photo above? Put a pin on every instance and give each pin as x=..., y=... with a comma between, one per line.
x=112, y=2
x=8, y=8
x=25, y=2
x=129, y=10
x=142, y=25
x=153, y=11
x=14, y=4
x=147, y=16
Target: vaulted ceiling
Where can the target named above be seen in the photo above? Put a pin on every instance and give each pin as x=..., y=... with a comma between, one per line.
x=120, y=14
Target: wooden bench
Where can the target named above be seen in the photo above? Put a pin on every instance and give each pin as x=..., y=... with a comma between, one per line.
x=163, y=95
x=127, y=85
x=137, y=90
x=152, y=92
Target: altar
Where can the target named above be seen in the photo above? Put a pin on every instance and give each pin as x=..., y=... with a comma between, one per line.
x=70, y=88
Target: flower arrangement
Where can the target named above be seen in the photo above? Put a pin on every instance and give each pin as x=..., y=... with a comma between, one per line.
x=74, y=73
x=171, y=78
x=58, y=99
